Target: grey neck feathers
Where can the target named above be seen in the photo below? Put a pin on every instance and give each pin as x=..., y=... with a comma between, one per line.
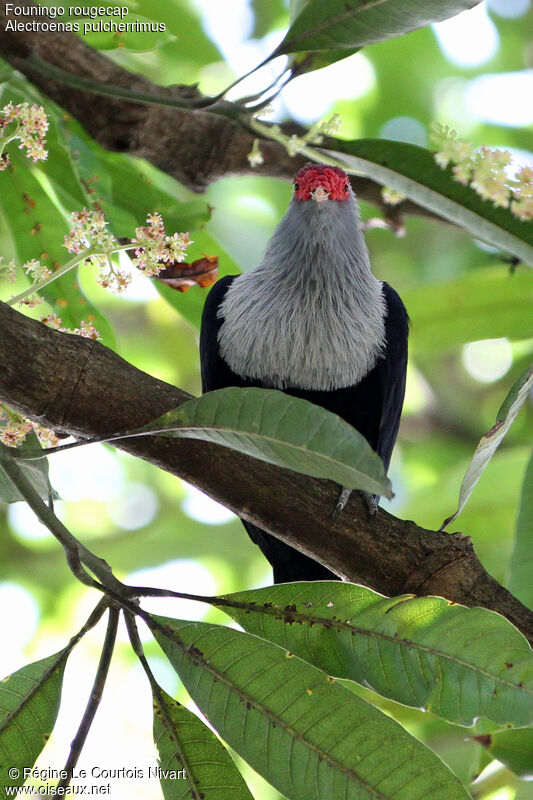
x=311, y=315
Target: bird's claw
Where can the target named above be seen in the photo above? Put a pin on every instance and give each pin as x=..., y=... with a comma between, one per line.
x=371, y=503
x=370, y=500
x=341, y=502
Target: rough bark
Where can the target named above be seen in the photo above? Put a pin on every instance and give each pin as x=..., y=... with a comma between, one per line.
x=81, y=387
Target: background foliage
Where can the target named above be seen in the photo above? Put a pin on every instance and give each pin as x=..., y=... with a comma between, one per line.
x=150, y=526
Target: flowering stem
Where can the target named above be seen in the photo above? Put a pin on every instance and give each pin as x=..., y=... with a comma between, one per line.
x=274, y=133
x=78, y=259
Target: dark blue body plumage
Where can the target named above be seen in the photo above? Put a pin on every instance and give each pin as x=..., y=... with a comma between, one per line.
x=373, y=406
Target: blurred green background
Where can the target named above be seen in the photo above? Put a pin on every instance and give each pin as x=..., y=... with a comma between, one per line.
x=471, y=337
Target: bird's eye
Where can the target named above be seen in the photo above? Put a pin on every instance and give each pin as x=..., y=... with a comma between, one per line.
x=296, y=186
x=346, y=187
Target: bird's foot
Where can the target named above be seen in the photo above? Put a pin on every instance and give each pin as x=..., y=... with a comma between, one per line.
x=341, y=502
x=370, y=500
x=371, y=503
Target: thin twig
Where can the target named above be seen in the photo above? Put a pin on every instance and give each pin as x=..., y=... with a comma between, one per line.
x=76, y=567
x=95, y=697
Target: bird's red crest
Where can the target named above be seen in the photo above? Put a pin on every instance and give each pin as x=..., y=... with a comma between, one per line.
x=333, y=179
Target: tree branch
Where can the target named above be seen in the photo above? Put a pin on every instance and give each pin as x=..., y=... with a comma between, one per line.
x=81, y=387
x=195, y=147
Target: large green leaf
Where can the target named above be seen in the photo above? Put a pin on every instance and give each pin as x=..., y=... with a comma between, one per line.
x=307, y=61
x=460, y=663
x=193, y=762
x=520, y=583
x=282, y=430
x=490, y=442
x=35, y=471
x=514, y=749
x=413, y=171
x=29, y=702
x=307, y=735
x=484, y=304
x=333, y=24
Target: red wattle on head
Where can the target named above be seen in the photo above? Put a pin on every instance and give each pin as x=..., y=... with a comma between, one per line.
x=333, y=179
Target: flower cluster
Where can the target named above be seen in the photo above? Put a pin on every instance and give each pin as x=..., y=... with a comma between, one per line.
x=92, y=244
x=89, y=235
x=391, y=196
x=30, y=123
x=315, y=134
x=8, y=270
x=31, y=300
x=109, y=277
x=155, y=248
x=485, y=171
x=35, y=270
x=522, y=202
x=255, y=156
x=86, y=329
x=14, y=431
x=88, y=232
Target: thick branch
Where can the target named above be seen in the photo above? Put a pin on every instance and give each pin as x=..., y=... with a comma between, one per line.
x=79, y=386
x=195, y=147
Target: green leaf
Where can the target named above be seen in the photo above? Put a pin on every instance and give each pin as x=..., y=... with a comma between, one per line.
x=520, y=583
x=281, y=430
x=484, y=304
x=35, y=471
x=185, y=743
x=307, y=735
x=460, y=663
x=413, y=171
x=29, y=702
x=514, y=749
x=332, y=24
x=490, y=442
x=307, y=61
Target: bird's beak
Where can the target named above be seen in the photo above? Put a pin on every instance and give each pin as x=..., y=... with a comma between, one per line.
x=320, y=194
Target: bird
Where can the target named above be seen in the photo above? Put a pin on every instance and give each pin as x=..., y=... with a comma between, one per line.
x=311, y=320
